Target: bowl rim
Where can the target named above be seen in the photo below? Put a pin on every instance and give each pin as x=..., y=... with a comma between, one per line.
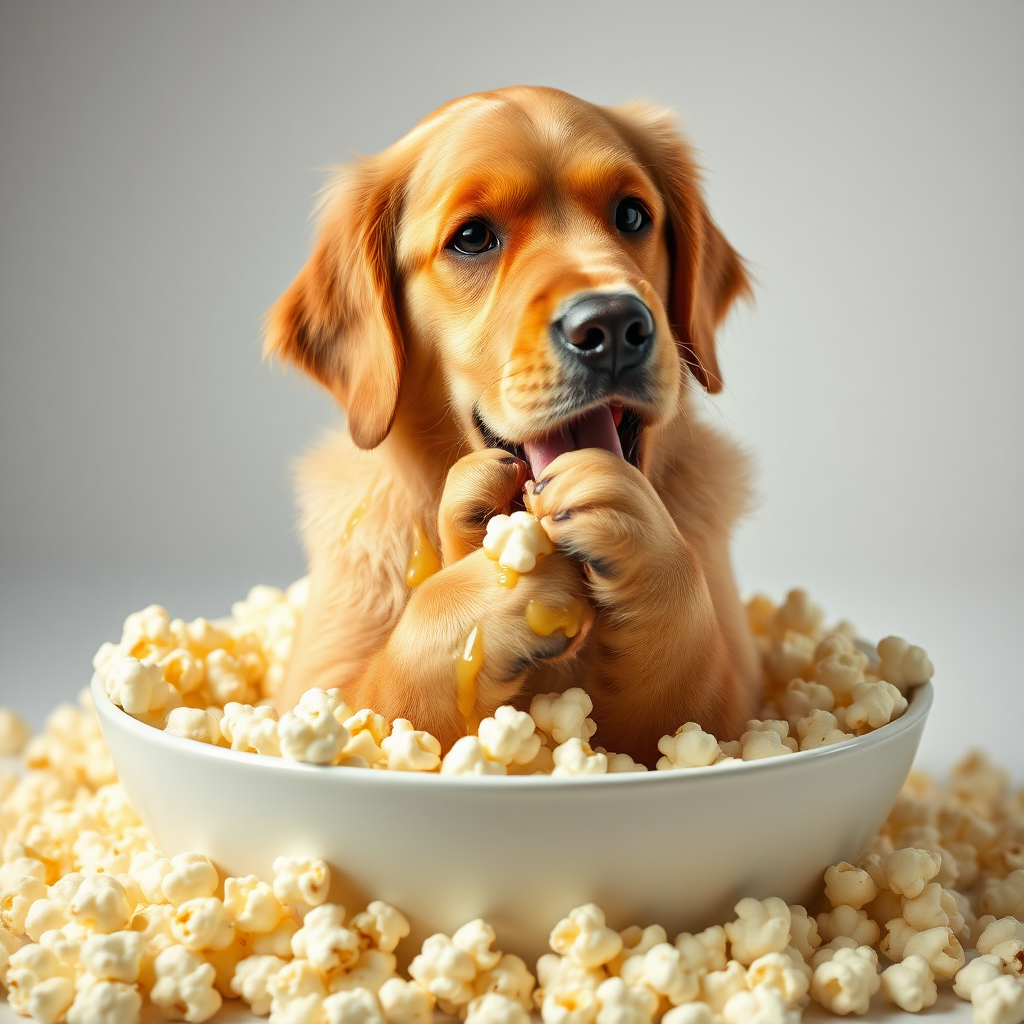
x=920, y=703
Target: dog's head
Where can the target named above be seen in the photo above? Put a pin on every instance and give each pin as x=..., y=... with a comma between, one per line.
x=552, y=262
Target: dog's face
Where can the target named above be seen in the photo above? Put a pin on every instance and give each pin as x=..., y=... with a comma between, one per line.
x=553, y=260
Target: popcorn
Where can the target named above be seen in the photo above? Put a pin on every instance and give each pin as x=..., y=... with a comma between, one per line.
x=373, y=968
x=253, y=730
x=193, y=724
x=324, y=940
x=902, y=664
x=105, y=1002
x=846, y=982
x=847, y=922
x=620, y=1004
x=312, y=731
x=366, y=730
x=842, y=672
x=801, y=698
x=136, y=686
x=444, y=970
x=766, y=739
x=183, y=670
x=17, y=899
x=1000, y=1001
x=352, y=1007
x=115, y=957
x=984, y=968
x=516, y=541
x=792, y=657
x=584, y=937
x=509, y=737
x=509, y=977
x=575, y=757
x=848, y=886
x=935, y=907
x=14, y=733
x=476, y=939
x=908, y=870
x=468, y=756
x=382, y=926
x=704, y=951
x=410, y=750
x=874, y=705
x=662, y=970
x=762, y=1005
x=803, y=932
x=940, y=948
x=146, y=631
x=718, y=987
x=761, y=927
x=689, y=1013
x=202, y=924
x=799, y=613
x=297, y=994
x=563, y=716
x=405, y=1002
x=689, y=747
x=39, y=985
x=909, y=984
x=819, y=729
x=227, y=679
x=301, y=880
x=790, y=977
x=493, y=1008
x=251, y=904
x=100, y=904
x=191, y=876
x=1005, y=898
x=278, y=941
x=623, y=763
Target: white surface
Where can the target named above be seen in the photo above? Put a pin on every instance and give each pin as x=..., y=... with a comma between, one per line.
x=522, y=851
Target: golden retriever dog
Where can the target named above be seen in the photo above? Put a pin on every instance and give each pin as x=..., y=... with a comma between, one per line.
x=522, y=292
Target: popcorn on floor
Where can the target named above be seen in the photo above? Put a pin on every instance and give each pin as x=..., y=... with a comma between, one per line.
x=95, y=924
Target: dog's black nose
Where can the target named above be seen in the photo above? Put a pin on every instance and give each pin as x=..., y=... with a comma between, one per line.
x=608, y=332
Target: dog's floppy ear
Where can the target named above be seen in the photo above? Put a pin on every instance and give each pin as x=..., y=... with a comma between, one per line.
x=338, y=320
x=707, y=273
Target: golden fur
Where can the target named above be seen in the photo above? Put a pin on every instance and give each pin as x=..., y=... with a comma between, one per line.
x=414, y=340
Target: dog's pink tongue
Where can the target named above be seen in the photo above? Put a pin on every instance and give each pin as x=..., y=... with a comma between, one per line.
x=595, y=429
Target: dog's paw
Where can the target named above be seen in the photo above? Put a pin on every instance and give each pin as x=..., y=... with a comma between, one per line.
x=603, y=511
x=480, y=485
x=544, y=615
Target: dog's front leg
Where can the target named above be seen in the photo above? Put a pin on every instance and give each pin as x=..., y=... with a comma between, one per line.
x=658, y=657
x=463, y=644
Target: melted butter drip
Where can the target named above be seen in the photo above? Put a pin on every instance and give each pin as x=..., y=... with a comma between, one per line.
x=468, y=663
x=423, y=562
x=507, y=577
x=353, y=522
x=544, y=620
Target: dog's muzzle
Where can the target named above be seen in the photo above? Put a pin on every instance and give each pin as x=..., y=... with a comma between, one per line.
x=608, y=333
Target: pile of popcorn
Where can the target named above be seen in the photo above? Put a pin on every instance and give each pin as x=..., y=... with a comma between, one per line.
x=96, y=924
x=212, y=681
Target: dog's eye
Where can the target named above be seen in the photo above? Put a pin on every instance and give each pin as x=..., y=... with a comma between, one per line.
x=631, y=216
x=473, y=237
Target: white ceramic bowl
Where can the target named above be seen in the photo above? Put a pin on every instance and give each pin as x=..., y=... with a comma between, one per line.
x=677, y=848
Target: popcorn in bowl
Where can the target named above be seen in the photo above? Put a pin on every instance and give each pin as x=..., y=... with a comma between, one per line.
x=183, y=673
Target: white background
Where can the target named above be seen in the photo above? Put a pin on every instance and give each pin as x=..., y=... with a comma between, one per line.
x=157, y=169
